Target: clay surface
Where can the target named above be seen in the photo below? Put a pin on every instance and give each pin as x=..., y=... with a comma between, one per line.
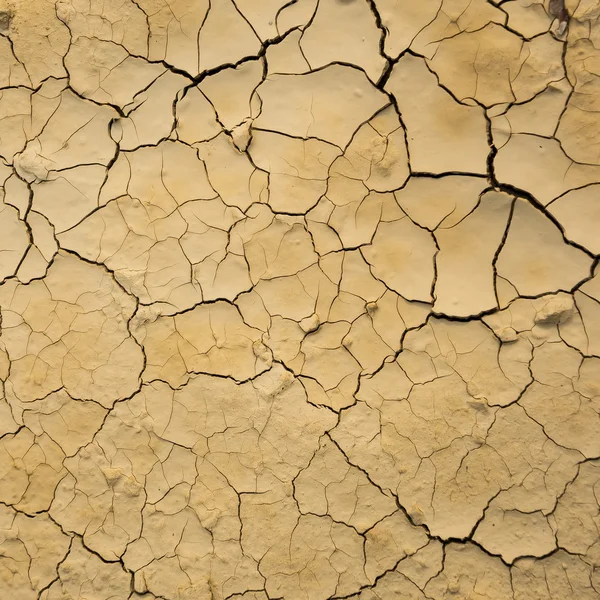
x=299, y=300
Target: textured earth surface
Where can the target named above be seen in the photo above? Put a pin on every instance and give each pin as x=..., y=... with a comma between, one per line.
x=299, y=300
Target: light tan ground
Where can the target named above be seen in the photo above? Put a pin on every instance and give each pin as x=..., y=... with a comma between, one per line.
x=299, y=300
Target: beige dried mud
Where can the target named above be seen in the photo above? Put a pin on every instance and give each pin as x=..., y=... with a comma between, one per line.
x=299, y=300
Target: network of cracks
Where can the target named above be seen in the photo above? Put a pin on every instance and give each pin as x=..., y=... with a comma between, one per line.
x=299, y=300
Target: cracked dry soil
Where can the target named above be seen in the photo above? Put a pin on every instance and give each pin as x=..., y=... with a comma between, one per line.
x=299, y=300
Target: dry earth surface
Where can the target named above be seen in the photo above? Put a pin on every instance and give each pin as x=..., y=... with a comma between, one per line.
x=299, y=299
